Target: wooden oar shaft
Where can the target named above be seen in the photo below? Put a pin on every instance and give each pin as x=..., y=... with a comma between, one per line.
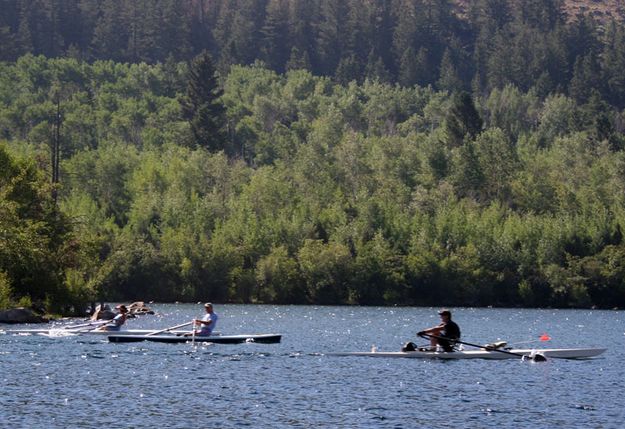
x=168, y=329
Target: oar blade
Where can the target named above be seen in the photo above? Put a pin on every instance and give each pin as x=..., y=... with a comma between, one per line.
x=545, y=337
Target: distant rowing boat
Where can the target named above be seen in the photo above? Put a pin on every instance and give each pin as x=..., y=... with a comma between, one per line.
x=582, y=353
x=217, y=339
x=60, y=332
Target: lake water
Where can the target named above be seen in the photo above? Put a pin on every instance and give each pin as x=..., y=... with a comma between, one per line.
x=85, y=382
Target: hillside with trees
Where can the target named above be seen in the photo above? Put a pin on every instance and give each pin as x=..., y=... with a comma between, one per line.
x=396, y=152
x=547, y=45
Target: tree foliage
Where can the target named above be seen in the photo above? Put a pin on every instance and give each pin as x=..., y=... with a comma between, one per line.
x=365, y=193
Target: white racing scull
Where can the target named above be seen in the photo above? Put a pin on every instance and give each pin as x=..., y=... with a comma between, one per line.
x=577, y=353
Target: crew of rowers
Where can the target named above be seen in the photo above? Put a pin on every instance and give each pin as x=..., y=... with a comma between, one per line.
x=206, y=324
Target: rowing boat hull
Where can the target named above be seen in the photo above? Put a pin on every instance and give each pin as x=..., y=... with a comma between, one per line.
x=84, y=331
x=483, y=354
x=217, y=339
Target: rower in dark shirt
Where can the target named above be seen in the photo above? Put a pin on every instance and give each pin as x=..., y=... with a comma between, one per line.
x=443, y=334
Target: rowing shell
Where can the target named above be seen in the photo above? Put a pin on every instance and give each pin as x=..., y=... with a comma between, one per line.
x=83, y=331
x=217, y=339
x=482, y=354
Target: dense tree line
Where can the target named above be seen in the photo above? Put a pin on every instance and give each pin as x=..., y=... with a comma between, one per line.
x=532, y=45
x=314, y=192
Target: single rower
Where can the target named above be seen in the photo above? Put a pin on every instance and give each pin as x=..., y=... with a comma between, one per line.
x=118, y=320
x=207, y=323
x=443, y=334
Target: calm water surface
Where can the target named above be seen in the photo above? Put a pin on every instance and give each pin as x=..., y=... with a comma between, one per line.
x=81, y=381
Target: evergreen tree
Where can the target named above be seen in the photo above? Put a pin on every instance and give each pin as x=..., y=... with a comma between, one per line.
x=449, y=79
x=89, y=15
x=9, y=50
x=585, y=79
x=582, y=38
x=24, y=36
x=435, y=25
x=348, y=70
x=408, y=68
x=37, y=16
x=223, y=21
x=202, y=21
x=302, y=13
x=425, y=74
x=10, y=16
x=404, y=31
x=543, y=15
x=376, y=70
x=613, y=64
x=597, y=117
x=357, y=31
x=524, y=54
x=110, y=36
x=415, y=69
x=275, y=35
x=172, y=82
x=499, y=67
x=143, y=27
x=555, y=60
x=70, y=24
x=298, y=60
x=480, y=60
x=174, y=37
x=463, y=120
x=330, y=35
x=229, y=56
x=383, y=24
x=202, y=106
x=491, y=14
x=238, y=29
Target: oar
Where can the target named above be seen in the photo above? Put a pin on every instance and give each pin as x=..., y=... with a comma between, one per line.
x=57, y=332
x=168, y=329
x=94, y=323
x=536, y=357
x=95, y=328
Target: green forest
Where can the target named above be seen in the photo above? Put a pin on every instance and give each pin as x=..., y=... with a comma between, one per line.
x=366, y=152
